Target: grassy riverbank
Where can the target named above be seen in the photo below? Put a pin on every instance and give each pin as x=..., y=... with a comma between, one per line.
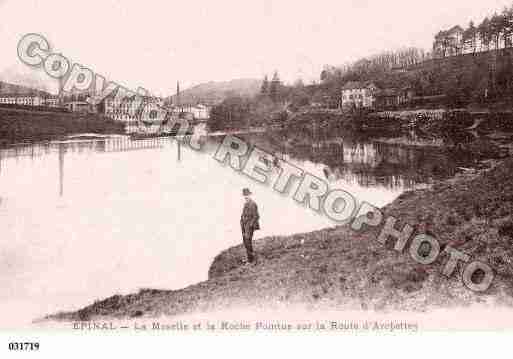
x=337, y=268
x=33, y=126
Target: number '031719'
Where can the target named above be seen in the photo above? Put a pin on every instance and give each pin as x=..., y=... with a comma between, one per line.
x=23, y=346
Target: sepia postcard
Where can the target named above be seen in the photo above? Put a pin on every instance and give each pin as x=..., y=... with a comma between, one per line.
x=185, y=168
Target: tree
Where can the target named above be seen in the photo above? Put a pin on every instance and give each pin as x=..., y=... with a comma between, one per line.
x=265, y=86
x=274, y=87
x=317, y=97
x=507, y=26
x=232, y=113
x=484, y=33
x=298, y=96
x=299, y=83
x=328, y=73
x=470, y=37
x=496, y=29
x=441, y=44
x=324, y=75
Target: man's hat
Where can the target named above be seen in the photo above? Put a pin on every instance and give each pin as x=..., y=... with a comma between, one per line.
x=246, y=192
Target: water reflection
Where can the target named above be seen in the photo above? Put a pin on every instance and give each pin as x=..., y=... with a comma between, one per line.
x=363, y=162
x=62, y=150
x=370, y=163
x=112, y=145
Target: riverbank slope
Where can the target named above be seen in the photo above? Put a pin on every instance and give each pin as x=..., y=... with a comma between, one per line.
x=337, y=268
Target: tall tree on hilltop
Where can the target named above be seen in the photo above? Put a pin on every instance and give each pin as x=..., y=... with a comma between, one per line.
x=324, y=75
x=441, y=44
x=470, y=37
x=274, y=87
x=484, y=32
x=329, y=73
x=264, y=90
x=496, y=29
x=507, y=26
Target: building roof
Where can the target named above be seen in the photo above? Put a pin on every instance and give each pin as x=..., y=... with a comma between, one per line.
x=19, y=95
x=454, y=29
x=352, y=85
x=356, y=85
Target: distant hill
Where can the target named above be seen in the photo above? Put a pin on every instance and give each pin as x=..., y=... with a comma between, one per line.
x=8, y=88
x=214, y=92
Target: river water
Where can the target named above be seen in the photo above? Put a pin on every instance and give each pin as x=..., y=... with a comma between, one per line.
x=84, y=220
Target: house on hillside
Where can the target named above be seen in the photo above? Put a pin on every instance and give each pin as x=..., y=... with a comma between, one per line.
x=388, y=98
x=358, y=94
x=449, y=42
x=393, y=97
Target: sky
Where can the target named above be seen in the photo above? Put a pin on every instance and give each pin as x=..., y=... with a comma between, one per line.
x=154, y=44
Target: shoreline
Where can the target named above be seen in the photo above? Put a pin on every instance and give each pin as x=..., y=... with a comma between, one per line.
x=31, y=127
x=337, y=268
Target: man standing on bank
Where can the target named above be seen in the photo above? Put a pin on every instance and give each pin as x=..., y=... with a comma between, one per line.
x=249, y=223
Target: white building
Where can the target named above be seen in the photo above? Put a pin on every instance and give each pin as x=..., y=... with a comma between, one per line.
x=51, y=102
x=131, y=108
x=358, y=94
x=146, y=108
x=7, y=100
x=199, y=111
x=21, y=99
